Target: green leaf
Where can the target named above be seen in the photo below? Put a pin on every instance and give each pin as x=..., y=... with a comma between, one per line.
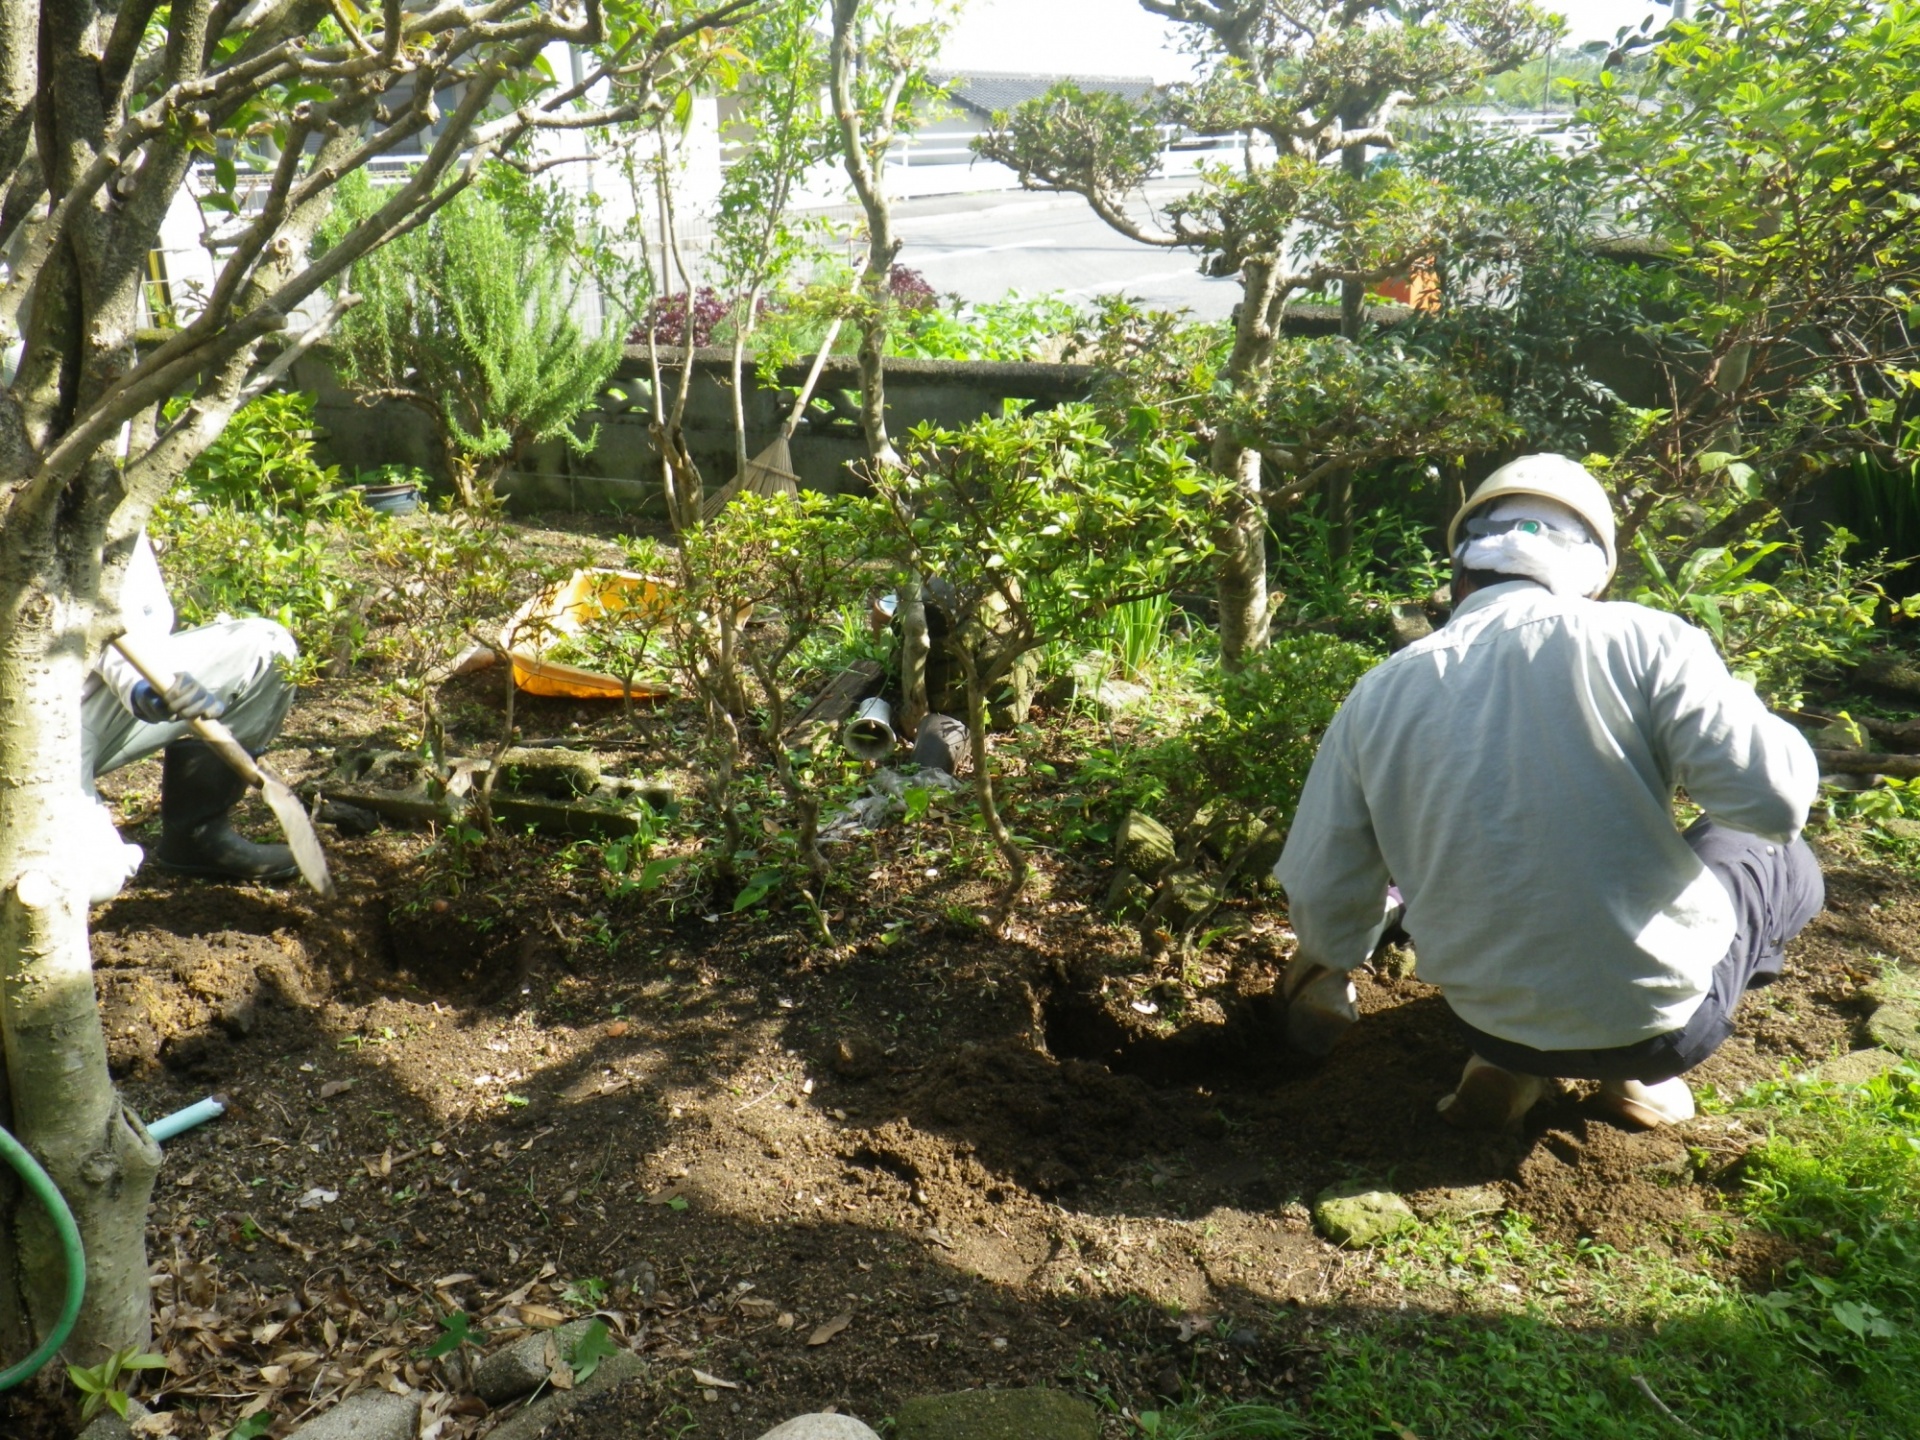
x=757, y=889
x=654, y=872
x=253, y=1427
x=589, y=1350
x=455, y=1331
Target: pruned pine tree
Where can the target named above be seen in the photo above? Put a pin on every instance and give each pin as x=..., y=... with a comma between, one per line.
x=106, y=106
x=1309, y=89
x=472, y=321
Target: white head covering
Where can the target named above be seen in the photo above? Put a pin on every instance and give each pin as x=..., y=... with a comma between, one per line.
x=1536, y=539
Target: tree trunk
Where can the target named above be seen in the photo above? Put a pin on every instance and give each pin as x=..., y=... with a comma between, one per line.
x=915, y=646
x=64, y=1106
x=1010, y=851
x=1240, y=569
x=1240, y=574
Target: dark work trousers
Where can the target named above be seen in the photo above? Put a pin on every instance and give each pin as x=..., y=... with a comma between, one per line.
x=1776, y=889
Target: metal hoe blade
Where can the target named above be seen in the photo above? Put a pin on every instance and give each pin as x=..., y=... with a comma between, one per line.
x=298, y=826
x=286, y=806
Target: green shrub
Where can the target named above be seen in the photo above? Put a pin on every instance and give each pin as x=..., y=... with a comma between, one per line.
x=473, y=319
x=1781, y=617
x=1255, y=744
x=264, y=458
x=1387, y=562
x=221, y=560
x=1258, y=743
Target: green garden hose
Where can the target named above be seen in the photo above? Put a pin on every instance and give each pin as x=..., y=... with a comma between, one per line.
x=41, y=1184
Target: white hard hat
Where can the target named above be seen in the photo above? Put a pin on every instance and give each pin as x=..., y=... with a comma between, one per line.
x=1551, y=477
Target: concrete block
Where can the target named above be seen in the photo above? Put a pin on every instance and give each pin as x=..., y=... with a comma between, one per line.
x=521, y=1367
x=533, y=1421
x=370, y=1415
x=109, y=1426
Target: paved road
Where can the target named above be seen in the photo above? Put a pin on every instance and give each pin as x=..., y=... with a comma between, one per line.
x=985, y=245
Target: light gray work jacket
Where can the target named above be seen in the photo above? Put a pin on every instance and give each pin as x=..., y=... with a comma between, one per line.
x=1514, y=773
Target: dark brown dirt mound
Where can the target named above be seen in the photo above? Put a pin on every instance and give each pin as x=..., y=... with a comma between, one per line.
x=1051, y=1124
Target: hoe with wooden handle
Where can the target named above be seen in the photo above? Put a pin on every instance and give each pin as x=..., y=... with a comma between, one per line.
x=279, y=795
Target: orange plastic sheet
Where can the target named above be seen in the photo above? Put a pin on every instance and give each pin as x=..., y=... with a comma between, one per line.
x=567, y=610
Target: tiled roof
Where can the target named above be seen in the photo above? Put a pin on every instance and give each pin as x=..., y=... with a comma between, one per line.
x=982, y=92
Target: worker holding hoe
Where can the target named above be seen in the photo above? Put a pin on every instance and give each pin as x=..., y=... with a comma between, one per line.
x=1512, y=776
x=235, y=668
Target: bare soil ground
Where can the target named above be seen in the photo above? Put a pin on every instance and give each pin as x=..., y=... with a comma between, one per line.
x=983, y=1155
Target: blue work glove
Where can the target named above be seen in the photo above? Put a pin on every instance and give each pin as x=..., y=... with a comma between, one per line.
x=185, y=699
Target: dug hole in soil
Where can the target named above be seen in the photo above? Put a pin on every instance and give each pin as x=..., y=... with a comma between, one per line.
x=796, y=1177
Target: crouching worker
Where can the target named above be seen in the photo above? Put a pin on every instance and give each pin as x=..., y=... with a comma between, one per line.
x=233, y=671
x=1514, y=774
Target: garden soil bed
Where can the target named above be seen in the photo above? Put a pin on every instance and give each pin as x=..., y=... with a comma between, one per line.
x=1036, y=1159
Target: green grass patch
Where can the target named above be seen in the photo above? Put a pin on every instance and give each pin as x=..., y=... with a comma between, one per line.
x=1641, y=1348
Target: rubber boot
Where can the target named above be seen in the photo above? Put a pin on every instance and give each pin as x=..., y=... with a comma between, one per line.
x=1490, y=1098
x=198, y=791
x=1649, y=1106
x=1320, y=1007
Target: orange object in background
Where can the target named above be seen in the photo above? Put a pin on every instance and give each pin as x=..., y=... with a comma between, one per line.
x=565, y=610
x=1419, y=289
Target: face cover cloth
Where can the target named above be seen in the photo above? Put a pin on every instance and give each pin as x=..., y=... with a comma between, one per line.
x=1532, y=538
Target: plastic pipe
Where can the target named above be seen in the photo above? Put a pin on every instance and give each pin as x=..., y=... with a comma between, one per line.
x=41, y=1184
x=198, y=1113
x=870, y=733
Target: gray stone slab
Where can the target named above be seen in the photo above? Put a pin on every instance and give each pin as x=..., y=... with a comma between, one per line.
x=520, y=1368
x=532, y=1422
x=821, y=1427
x=370, y=1415
x=998, y=1415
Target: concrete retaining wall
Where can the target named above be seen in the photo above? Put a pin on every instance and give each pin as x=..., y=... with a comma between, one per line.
x=622, y=473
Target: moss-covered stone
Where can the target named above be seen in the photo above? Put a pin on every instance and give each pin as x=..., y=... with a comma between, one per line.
x=1357, y=1216
x=562, y=774
x=1895, y=1025
x=1190, y=897
x=1142, y=845
x=998, y=1415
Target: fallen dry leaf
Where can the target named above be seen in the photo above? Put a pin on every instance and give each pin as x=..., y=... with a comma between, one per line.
x=561, y=1377
x=831, y=1328
x=335, y=1087
x=541, y=1317
x=701, y=1377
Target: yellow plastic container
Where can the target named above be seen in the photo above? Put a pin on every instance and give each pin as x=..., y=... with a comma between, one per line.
x=566, y=610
